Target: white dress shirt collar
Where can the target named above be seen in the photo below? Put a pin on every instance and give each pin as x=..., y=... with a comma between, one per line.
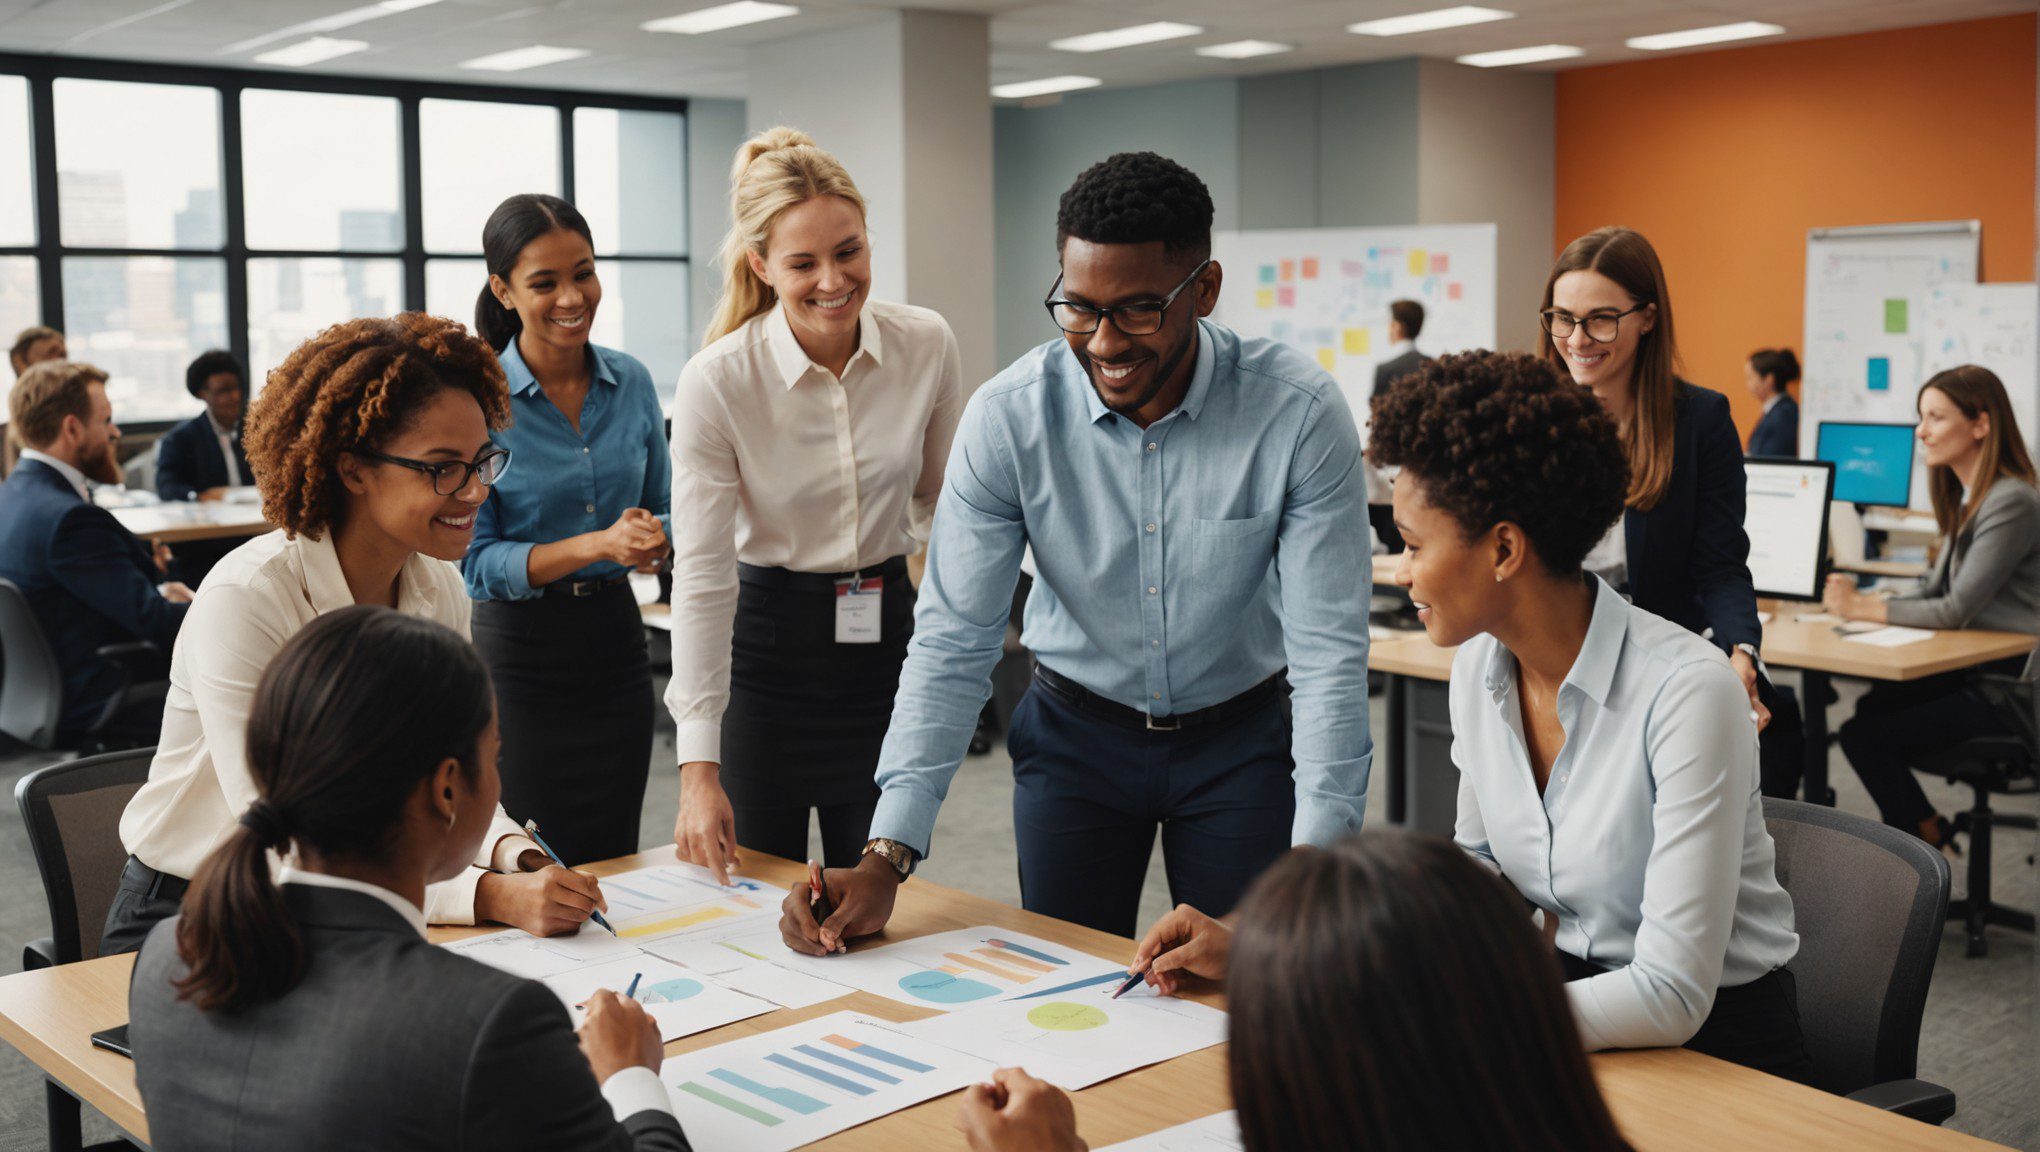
x=412, y=914
x=69, y=473
x=1771, y=401
x=326, y=584
x=793, y=360
x=1401, y=348
x=1593, y=670
x=1193, y=398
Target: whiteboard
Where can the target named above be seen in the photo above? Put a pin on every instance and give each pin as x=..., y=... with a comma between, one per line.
x=1992, y=326
x=1326, y=292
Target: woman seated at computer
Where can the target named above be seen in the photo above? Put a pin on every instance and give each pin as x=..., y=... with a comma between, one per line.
x=309, y=1011
x=1391, y=994
x=371, y=445
x=1986, y=575
x=1604, y=753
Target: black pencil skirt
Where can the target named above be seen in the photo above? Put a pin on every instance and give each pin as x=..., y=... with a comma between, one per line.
x=807, y=715
x=574, y=704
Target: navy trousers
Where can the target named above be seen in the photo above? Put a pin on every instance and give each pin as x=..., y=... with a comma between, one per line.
x=1089, y=792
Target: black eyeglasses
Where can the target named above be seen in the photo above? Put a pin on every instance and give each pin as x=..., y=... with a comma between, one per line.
x=1602, y=327
x=449, y=476
x=1140, y=319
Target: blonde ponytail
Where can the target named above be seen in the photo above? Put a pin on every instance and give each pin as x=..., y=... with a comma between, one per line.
x=776, y=169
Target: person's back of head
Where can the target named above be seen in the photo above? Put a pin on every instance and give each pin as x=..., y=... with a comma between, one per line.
x=360, y=713
x=1408, y=316
x=1778, y=366
x=1388, y=993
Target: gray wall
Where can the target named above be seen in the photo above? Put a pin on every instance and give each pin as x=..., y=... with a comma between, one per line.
x=714, y=130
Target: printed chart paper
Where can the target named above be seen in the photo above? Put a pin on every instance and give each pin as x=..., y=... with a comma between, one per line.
x=682, y=1002
x=1077, y=1039
x=519, y=952
x=670, y=899
x=1218, y=1132
x=950, y=969
x=779, y=1090
x=745, y=963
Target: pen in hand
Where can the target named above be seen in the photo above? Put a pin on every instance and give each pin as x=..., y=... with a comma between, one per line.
x=531, y=830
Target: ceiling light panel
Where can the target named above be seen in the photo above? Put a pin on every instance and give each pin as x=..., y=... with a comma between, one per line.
x=1126, y=37
x=1416, y=22
x=1021, y=90
x=316, y=50
x=1536, y=54
x=1245, y=49
x=1694, y=37
x=519, y=59
x=720, y=17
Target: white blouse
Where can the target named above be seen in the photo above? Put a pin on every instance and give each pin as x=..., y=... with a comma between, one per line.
x=1648, y=842
x=780, y=464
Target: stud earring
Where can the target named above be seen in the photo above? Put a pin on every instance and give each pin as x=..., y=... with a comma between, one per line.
x=1498, y=577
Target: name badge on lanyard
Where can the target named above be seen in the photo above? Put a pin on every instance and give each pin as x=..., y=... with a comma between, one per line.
x=857, y=609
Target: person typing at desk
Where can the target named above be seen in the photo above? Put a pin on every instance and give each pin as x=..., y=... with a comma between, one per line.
x=202, y=458
x=1391, y=996
x=88, y=581
x=308, y=1011
x=371, y=444
x=1986, y=575
x=1607, y=757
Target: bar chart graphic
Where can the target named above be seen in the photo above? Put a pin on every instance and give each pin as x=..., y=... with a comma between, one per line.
x=669, y=899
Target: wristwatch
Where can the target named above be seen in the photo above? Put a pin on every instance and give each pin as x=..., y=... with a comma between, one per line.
x=901, y=857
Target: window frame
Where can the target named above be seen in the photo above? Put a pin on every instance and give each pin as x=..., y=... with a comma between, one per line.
x=49, y=251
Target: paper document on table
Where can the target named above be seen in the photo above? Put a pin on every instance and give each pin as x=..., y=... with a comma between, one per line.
x=670, y=899
x=744, y=962
x=1218, y=1132
x=779, y=1090
x=682, y=1002
x=1891, y=637
x=1077, y=1039
x=519, y=952
x=960, y=967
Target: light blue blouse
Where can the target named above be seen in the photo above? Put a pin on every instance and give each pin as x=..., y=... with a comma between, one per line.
x=1648, y=842
x=564, y=483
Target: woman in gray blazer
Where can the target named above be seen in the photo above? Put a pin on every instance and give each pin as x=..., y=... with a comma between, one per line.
x=1986, y=575
x=309, y=1012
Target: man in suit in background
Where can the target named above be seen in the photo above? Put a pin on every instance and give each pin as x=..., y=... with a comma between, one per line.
x=201, y=458
x=89, y=581
x=1405, y=320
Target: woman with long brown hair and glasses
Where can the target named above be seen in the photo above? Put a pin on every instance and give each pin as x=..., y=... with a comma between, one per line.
x=1386, y=993
x=1679, y=551
x=1986, y=574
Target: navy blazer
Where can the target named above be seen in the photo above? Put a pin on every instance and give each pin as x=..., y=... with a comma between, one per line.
x=188, y=460
x=1689, y=556
x=89, y=581
x=1777, y=434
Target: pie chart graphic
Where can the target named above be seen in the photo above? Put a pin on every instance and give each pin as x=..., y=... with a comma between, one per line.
x=668, y=991
x=1063, y=1016
x=944, y=988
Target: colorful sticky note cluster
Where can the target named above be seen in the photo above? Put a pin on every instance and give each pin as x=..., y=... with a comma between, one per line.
x=1267, y=273
x=1895, y=316
x=1264, y=298
x=1328, y=358
x=1880, y=372
x=1289, y=269
x=1310, y=267
x=1286, y=295
x=1420, y=261
x=1356, y=341
x=1441, y=263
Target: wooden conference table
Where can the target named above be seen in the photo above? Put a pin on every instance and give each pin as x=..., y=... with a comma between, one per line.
x=1666, y=1099
x=182, y=521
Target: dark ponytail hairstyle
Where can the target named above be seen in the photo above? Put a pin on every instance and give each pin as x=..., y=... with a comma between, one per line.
x=1777, y=363
x=515, y=223
x=1389, y=993
x=351, y=715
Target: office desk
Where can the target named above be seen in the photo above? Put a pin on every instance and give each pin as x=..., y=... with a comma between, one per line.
x=1417, y=708
x=180, y=521
x=1670, y=1099
x=1818, y=654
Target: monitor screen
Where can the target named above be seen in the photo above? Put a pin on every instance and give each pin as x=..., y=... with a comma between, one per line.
x=1786, y=519
x=1873, y=462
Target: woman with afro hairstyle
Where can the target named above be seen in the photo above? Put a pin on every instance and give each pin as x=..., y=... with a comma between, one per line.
x=1608, y=763
x=371, y=446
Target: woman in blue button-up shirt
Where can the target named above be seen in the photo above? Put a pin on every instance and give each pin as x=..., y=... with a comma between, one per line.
x=553, y=551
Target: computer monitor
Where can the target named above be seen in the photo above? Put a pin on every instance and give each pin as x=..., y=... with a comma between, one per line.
x=1873, y=462
x=1786, y=518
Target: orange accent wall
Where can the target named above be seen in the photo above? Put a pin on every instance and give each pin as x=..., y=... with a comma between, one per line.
x=1725, y=159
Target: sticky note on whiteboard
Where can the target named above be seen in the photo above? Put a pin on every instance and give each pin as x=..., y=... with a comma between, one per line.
x=1264, y=298
x=1441, y=263
x=1328, y=358
x=1310, y=267
x=1356, y=341
x=1289, y=269
x=1286, y=296
x=1880, y=372
x=1895, y=317
x=1455, y=290
x=1420, y=262
x=1267, y=273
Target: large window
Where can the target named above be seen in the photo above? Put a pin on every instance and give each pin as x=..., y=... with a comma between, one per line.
x=152, y=211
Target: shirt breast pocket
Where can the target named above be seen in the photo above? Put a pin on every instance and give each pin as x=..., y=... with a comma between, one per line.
x=1234, y=552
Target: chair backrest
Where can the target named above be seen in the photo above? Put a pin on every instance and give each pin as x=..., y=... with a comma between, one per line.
x=31, y=685
x=1869, y=902
x=72, y=812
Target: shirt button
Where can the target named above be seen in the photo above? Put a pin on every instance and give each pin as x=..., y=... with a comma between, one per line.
x=1152, y=590
x=1158, y=696
x=584, y=449
x=1154, y=643
x=1152, y=445
x=591, y=508
x=1151, y=528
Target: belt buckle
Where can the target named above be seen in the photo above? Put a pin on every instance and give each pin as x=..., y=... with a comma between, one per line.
x=1165, y=724
x=582, y=589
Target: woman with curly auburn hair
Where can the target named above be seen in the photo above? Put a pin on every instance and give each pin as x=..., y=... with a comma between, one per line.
x=1607, y=759
x=372, y=447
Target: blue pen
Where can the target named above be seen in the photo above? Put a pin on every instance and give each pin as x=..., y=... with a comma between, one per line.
x=531, y=830
x=630, y=993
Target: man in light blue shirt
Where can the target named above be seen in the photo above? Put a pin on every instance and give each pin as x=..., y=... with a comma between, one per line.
x=1196, y=506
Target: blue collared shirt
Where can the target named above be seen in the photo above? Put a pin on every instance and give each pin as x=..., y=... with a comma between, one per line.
x=564, y=483
x=1648, y=842
x=1176, y=565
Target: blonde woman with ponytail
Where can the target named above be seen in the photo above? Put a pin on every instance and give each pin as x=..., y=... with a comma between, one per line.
x=809, y=439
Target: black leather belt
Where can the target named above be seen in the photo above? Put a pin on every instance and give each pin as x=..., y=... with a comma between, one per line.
x=582, y=589
x=780, y=578
x=1085, y=700
x=139, y=877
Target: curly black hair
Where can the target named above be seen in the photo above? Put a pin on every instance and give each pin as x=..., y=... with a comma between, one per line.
x=1138, y=198
x=210, y=364
x=1497, y=437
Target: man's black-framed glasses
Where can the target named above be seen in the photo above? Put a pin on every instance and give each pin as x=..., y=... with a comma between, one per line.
x=449, y=476
x=1602, y=327
x=1141, y=318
